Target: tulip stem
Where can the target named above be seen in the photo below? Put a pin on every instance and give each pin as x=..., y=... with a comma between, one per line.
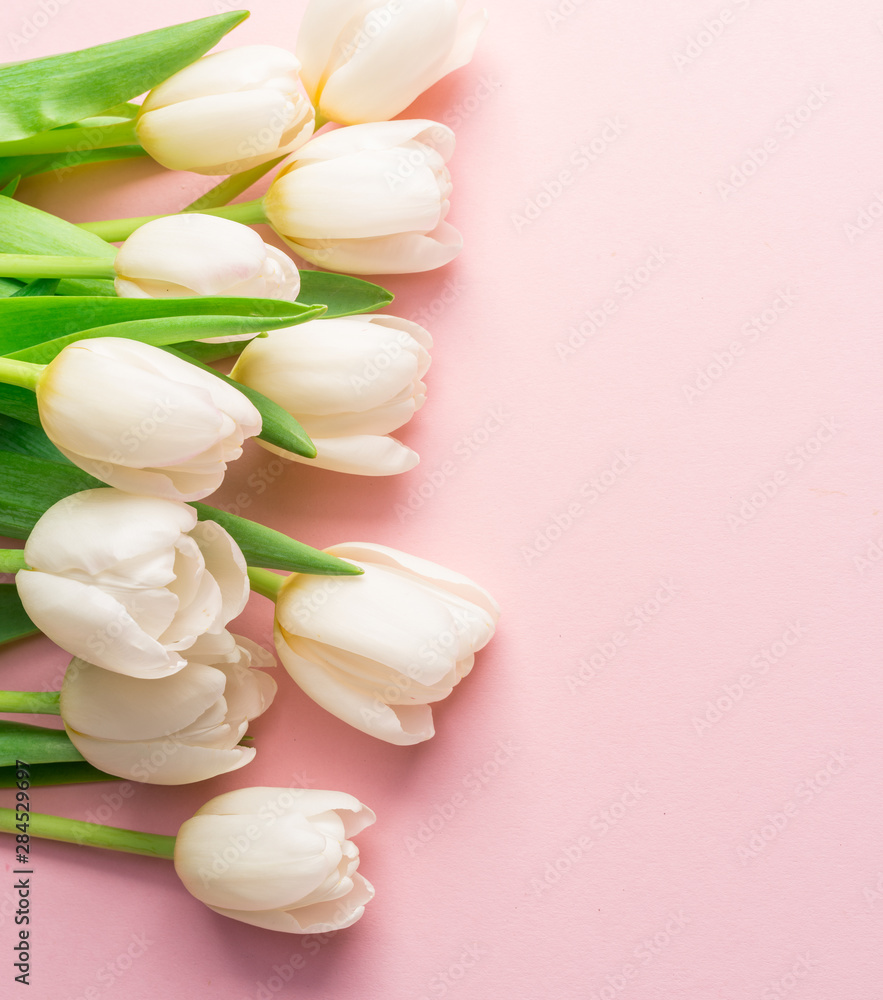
x=21, y=373
x=30, y=702
x=265, y=582
x=249, y=213
x=26, y=265
x=231, y=187
x=69, y=140
x=74, y=831
x=12, y=560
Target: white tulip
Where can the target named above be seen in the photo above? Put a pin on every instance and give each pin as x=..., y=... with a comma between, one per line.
x=349, y=382
x=131, y=583
x=369, y=199
x=278, y=858
x=376, y=650
x=172, y=730
x=227, y=112
x=193, y=254
x=140, y=419
x=367, y=61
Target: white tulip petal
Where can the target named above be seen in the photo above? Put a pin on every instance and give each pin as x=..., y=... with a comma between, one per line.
x=383, y=77
x=363, y=456
x=248, y=693
x=215, y=133
x=380, y=421
x=160, y=763
x=285, y=860
x=403, y=253
x=469, y=31
x=374, y=193
x=226, y=564
x=440, y=576
x=110, y=706
x=401, y=725
x=104, y=517
x=372, y=136
x=204, y=254
x=326, y=30
x=226, y=72
x=90, y=624
x=138, y=418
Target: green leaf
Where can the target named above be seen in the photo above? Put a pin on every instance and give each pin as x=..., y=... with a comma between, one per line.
x=62, y=773
x=342, y=294
x=11, y=187
x=339, y=293
x=29, y=486
x=25, y=323
x=9, y=286
x=44, y=163
x=28, y=439
x=19, y=403
x=14, y=621
x=270, y=549
x=58, y=90
x=34, y=744
x=42, y=286
x=278, y=426
x=24, y=229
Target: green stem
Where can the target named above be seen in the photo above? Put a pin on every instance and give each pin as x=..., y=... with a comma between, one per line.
x=21, y=373
x=74, y=831
x=265, y=582
x=32, y=702
x=22, y=265
x=12, y=560
x=230, y=188
x=250, y=213
x=67, y=140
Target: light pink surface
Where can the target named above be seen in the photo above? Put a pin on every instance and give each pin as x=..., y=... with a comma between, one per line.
x=662, y=780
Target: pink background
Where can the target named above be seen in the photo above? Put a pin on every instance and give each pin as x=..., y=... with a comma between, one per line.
x=662, y=778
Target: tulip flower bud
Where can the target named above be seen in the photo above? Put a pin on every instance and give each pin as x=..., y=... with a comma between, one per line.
x=349, y=382
x=140, y=419
x=376, y=650
x=366, y=62
x=227, y=112
x=278, y=858
x=369, y=199
x=131, y=583
x=193, y=254
x=171, y=730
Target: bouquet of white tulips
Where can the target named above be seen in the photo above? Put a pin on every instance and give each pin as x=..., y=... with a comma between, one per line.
x=114, y=426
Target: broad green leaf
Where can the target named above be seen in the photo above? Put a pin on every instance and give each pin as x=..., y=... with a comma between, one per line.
x=24, y=229
x=25, y=323
x=35, y=744
x=158, y=332
x=11, y=186
x=61, y=773
x=339, y=293
x=14, y=621
x=42, y=286
x=58, y=90
x=343, y=295
x=27, y=439
x=270, y=549
x=9, y=286
x=19, y=403
x=44, y=163
x=29, y=486
x=278, y=426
